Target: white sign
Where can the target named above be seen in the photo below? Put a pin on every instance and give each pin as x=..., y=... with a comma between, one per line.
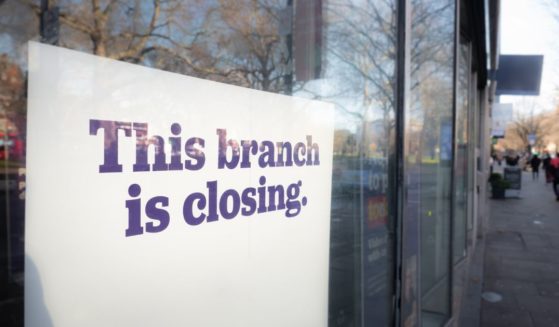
x=156, y=199
x=501, y=116
x=531, y=139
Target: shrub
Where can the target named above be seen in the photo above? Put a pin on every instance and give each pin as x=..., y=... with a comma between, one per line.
x=497, y=181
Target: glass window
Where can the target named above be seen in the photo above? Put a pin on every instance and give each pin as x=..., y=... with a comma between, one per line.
x=343, y=52
x=429, y=136
x=475, y=157
x=462, y=172
x=359, y=72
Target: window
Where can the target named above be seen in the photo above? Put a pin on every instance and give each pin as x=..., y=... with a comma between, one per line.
x=462, y=173
x=429, y=156
x=343, y=52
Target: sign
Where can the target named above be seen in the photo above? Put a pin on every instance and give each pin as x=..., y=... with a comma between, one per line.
x=519, y=75
x=531, y=139
x=375, y=244
x=446, y=141
x=156, y=199
x=501, y=116
x=514, y=177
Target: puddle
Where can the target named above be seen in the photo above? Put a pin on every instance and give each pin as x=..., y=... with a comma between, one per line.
x=492, y=297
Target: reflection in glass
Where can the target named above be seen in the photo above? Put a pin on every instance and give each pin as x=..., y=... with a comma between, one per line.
x=429, y=144
x=461, y=174
x=12, y=187
x=359, y=77
x=341, y=51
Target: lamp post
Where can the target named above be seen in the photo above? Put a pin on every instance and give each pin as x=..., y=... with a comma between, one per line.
x=49, y=25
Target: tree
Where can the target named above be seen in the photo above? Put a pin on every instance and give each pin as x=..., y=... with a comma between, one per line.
x=361, y=46
x=550, y=122
x=12, y=95
x=237, y=42
x=121, y=30
x=553, y=6
x=248, y=43
x=516, y=136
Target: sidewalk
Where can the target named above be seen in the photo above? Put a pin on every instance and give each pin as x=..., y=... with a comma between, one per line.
x=522, y=258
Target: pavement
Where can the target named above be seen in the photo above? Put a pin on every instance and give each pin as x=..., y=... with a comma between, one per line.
x=521, y=259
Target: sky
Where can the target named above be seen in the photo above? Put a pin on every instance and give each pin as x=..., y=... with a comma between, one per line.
x=528, y=27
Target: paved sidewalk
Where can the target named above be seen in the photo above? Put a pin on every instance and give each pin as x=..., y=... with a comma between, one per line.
x=522, y=258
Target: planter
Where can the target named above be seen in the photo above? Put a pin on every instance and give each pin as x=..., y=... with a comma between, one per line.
x=498, y=186
x=498, y=192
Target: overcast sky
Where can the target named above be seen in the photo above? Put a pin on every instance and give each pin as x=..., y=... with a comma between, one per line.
x=528, y=27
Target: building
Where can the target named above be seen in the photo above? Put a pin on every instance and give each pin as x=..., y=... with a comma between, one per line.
x=410, y=84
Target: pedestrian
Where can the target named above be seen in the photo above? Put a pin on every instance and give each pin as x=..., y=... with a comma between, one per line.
x=554, y=167
x=512, y=159
x=545, y=162
x=535, y=164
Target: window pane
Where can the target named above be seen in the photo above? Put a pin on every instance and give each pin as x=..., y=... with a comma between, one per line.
x=342, y=52
x=429, y=137
x=359, y=77
x=462, y=172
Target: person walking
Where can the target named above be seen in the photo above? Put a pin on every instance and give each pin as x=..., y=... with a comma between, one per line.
x=535, y=164
x=546, y=160
x=554, y=168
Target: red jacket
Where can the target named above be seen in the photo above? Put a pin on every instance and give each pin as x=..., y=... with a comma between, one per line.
x=554, y=168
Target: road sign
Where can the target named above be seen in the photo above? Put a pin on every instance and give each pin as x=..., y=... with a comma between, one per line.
x=531, y=139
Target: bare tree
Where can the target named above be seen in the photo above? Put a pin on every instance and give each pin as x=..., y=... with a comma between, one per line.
x=550, y=122
x=166, y=34
x=362, y=43
x=116, y=29
x=247, y=32
x=236, y=42
x=523, y=126
x=553, y=6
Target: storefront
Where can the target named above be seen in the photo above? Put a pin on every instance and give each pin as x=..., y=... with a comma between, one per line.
x=335, y=175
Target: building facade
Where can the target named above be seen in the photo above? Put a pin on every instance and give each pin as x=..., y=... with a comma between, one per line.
x=410, y=83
